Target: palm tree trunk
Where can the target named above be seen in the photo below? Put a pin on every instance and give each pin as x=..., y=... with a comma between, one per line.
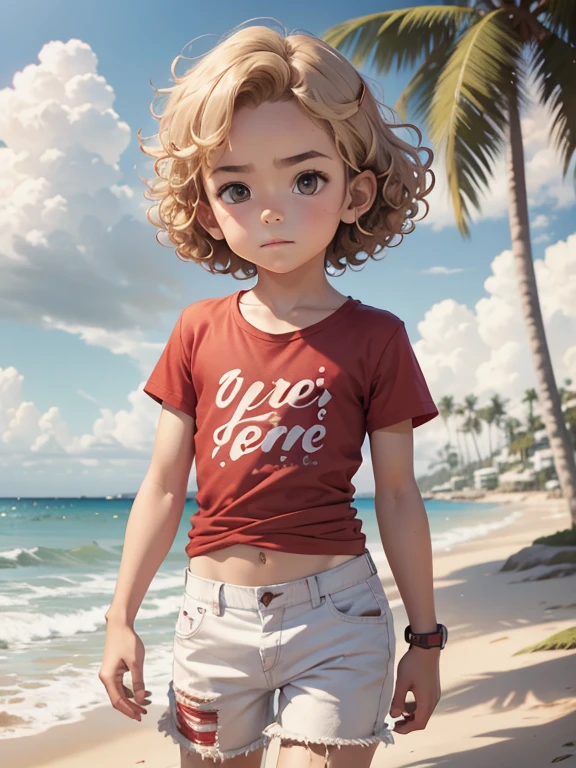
x=465, y=441
x=476, y=446
x=552, y=414
x=459, y=448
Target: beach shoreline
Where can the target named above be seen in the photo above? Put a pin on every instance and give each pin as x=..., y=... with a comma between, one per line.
x=490, y=614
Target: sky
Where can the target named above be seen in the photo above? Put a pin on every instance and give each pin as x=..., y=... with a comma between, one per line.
x=88, y=297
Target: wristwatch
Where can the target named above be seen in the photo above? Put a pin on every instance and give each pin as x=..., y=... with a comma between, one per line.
x=435, y=639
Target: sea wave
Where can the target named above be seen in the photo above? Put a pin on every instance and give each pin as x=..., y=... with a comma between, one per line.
x=36, y=556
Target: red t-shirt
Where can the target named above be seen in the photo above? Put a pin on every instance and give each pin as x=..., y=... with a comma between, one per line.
x=281, y=418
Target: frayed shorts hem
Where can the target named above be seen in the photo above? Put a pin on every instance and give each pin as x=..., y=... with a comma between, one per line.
x=275, y=730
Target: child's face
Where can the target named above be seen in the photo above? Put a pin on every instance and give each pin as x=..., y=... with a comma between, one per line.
x=249, y=208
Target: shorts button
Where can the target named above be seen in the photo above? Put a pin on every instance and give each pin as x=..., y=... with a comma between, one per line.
x=267, y=597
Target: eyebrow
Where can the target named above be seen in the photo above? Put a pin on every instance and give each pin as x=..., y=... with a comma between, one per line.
x=279, y=162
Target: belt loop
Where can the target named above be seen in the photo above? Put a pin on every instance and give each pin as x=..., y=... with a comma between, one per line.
x=314, y=591
x=216, y=598
x=370, y=561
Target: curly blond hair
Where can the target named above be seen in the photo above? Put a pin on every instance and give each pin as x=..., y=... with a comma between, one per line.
x=255, y=65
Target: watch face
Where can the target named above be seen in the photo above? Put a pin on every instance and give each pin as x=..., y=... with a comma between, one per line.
x=444, y=633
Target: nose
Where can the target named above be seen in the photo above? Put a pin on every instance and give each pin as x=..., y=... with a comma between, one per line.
x=268, y=216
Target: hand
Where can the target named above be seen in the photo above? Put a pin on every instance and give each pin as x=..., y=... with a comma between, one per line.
x=419, y=672
x=123, y=652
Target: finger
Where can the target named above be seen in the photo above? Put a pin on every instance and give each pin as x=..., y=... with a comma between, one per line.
x=139, y=707
x=130, y=695
x=410, y=707
x=137, y=683
x=399, y=705
x=118, y=696
x=411, y=723
x=119, y=701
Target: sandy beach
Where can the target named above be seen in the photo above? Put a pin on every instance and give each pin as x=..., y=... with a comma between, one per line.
x=496, y=708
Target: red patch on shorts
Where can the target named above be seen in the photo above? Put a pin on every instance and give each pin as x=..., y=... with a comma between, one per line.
x=197, y=725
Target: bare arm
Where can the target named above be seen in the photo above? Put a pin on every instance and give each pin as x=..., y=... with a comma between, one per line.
x=403, y=523
x=405, y=533
x=155, y=514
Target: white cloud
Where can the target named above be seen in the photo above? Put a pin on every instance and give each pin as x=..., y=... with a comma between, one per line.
x=76, y=251
x=442, y=270
x=540, y=221
x=485, y=350
x=30, y=438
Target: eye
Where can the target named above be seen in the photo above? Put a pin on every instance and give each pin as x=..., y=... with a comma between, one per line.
x=312, y=175
x=242, y=189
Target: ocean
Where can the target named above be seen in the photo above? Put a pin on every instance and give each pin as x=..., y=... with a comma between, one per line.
x=59, y=560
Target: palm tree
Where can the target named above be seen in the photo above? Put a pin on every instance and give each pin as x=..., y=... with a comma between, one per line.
x=460, y=410
x=468, y=90
x=521, y=445
x=499, y=407
x=472, y=424
x=446, y=408
x=446, y=458
x=488, y=414
x=530, y=397
x=511, y=426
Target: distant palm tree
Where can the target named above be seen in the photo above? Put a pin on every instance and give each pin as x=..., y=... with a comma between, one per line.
x=533, y=422
x=511, y=428
x=499, y=406
x=488, y=414
x=460, y=410
x=469, y=90
x=472, y=424
x=446, y=458
x=530, y=397
x=446, y=409
x=521, y=445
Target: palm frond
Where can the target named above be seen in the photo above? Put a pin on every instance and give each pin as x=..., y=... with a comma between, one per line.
x=554, y=67
x=400, y=37
x=559, y=17
x=469, y=111
x=417, y=96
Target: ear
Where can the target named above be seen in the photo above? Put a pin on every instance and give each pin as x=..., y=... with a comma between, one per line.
x=360, y=196
x=208, y=221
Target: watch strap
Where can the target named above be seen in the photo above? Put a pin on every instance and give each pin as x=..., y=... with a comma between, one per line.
x=436, y=639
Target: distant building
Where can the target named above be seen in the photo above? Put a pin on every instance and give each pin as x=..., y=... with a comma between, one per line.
x=446, y=488
x=486, y=478
x=517, y=481
x=457, y=483
x=542, y=459
x=501, y=459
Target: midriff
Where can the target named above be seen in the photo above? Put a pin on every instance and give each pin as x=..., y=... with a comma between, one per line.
x=252, y=566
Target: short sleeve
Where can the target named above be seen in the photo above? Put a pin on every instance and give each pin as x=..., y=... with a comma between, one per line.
x=171, y=378
x=398, y=389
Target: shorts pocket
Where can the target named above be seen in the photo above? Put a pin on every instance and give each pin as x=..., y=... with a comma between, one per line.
x=190, y=618
x=359, y=604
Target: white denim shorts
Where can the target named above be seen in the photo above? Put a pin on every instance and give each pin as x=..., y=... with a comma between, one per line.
x=325, y=642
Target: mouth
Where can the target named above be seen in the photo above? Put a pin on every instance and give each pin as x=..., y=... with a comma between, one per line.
x=276, y=242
